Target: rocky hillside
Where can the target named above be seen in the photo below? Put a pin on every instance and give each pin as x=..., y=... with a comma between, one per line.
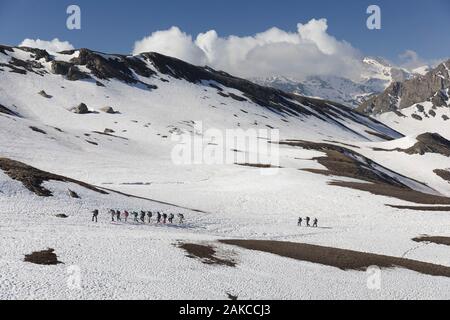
x=432, y=87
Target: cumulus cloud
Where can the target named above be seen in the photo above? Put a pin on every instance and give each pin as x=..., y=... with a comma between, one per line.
x=172, y=42
x=311, y=50
x=54, y=45
x=411, y=60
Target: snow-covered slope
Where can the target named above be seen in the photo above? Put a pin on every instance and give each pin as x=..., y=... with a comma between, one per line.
x=419, y=118
x=334, y=164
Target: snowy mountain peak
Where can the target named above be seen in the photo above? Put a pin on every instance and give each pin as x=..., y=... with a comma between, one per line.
x=376, y=75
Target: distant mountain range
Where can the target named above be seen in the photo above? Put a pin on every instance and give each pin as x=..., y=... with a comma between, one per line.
x=376, y=76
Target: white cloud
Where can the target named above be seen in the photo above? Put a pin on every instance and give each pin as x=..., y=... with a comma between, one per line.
x=54, y=45
x=308, y=51
x=172, y=42
x=411, y=60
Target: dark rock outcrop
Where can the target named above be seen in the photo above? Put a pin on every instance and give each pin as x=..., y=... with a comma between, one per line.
x=116, y=67
x=81, y=109
x=44, y=94
x=108, y=110
x=69, y=70
x=38, y=54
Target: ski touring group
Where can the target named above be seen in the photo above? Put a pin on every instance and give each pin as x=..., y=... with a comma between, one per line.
x=307, y=220
x=141, y=217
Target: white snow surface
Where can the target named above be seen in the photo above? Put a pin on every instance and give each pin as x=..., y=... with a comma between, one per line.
x=135, y=261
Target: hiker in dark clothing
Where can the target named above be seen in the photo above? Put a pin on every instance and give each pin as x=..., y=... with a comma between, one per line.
x=158, y=217
x=316, y=223
x=136, y=216
x=126, y=214
x=118, y=215
x=149, y=215
x=308, y=220
x=94, y=215
x=171, y=216
x=181, y=218
x=113, y=214
x=300, y=220
x=143, y=216
x=164, y=218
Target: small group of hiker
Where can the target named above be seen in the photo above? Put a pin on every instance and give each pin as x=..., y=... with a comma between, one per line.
x=308, y=222
x=140, y=217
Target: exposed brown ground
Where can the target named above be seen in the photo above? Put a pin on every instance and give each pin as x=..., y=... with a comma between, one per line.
x=421, y=208
x=339, y=258
x=45, y=257
x=426, y=143
x=444, y=174
x=436, y=240
x=387, y=190
x=33, y=178
x=232, y=297
x=35, y=129
x=258, y=165
x=206, y=254
x=343, y=162
x=344, y=144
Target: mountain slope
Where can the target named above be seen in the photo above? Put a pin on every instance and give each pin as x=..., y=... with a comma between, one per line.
x=89, y=71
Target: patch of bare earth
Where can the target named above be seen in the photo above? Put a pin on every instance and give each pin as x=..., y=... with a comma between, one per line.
x=33, y=178
x=45, y=257
x=387, y=190
x=338, y=258
x=420, y=208
x=258, y=165
x=207, y=254
x=437, y=240
x=232, y=297
x=426, y=143
x=444, y=174
x=343, y=162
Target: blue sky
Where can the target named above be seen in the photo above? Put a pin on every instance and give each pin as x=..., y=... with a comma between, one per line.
x=114, y=26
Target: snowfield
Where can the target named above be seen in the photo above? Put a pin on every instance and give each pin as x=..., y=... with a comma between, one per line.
x=133, y=164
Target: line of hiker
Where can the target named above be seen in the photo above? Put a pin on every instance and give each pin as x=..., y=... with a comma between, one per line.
x=308, y=222
x=140, y=217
